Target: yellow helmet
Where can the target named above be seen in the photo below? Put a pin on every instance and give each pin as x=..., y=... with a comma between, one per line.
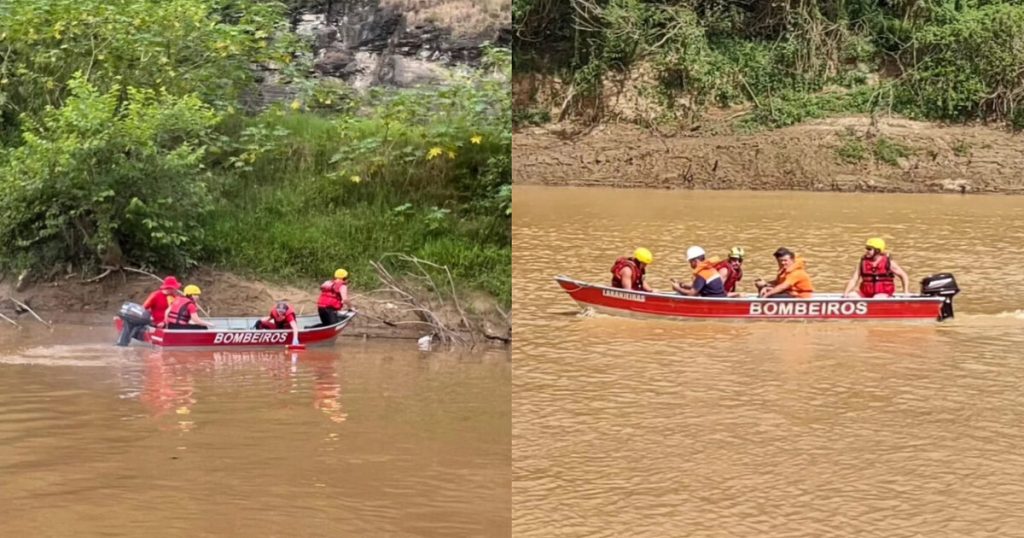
x=876, y=243
x=341, y=273
x=643, y=255
x=736, y=252
x=192, y=289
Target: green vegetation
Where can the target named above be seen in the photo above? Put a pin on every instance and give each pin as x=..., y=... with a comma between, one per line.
x=122, y=141
x=889, y=151
x=952, y=60
x=854, y=149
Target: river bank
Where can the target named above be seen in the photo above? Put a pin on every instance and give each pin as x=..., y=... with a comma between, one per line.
x=382, y=314
x=848, y=154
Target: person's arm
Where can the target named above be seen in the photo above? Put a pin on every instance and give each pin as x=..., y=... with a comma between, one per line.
x=194, y=308
x=852, y=284
x=778, y=288
x=343, y=291
x=626, y=276
x=694, y=289
x=898, y=271
x=295, y=330
x=148, y=304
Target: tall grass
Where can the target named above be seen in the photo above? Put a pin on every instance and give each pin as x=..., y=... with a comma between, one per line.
x=314, y=193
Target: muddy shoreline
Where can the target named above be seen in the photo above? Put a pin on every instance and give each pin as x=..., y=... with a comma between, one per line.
x=814, y=156
x=68, y=299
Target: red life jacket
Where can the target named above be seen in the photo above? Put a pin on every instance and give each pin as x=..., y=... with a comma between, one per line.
x=281, y=319
x=636, y=267
x=876, y=278
x=180, y=311
x=330, y=294
x=733, y=276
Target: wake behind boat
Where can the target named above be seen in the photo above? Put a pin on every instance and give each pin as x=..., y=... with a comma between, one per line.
x=934, y=303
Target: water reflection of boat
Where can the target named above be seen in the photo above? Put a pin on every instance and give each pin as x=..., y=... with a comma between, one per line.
x=238, y=332
x=821, y=306
x=169, y=379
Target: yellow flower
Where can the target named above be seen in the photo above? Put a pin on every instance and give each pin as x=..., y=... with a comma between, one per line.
x=355, y=179
x=296, y=105
x=476, y=139
x=435, y=151
x=451, y=154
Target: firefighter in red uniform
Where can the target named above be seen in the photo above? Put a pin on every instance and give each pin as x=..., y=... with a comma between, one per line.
x=333, y=297
x=159, y=300
x=629, y=273
x=876, y=273
x=282, y=316
x=731, y=270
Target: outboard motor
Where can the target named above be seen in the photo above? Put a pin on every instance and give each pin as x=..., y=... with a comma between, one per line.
x=135, y=319
x=941, y=285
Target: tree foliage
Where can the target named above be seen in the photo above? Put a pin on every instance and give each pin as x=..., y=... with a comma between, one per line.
x=942, y=59
x=105, y=176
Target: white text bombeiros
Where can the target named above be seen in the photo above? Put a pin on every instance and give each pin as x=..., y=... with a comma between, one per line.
x=810, y=308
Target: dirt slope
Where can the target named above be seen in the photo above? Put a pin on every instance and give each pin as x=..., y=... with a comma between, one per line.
x=968, y=159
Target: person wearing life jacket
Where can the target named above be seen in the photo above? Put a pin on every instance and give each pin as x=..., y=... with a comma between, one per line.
x=707, y=282
x=731, y=270
x=876, y=273
x=282, y=316
x=792, y=279
x=183, y=314
x=333, y=297
x=630, y=273
x=159, y=300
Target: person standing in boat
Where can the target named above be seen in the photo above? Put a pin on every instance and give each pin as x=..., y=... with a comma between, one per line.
x=707, y=282
x=159, y=300
x=630, y=273
x=876, y=273
x=731, y=270
x=792, y=279
x=333, y=297
x=183, y=313
x=282, y=316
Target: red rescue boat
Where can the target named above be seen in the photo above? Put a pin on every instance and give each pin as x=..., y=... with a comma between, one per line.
x=934, y=303
x=238, y=332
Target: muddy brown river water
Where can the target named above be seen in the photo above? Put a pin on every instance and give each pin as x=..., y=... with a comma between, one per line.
x=365, y=438
x=627, y=427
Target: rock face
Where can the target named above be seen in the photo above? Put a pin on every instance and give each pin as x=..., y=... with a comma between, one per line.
x=367, y=44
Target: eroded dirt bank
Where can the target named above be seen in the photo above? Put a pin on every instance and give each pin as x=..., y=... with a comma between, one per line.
x=69, y=299
x=838, y=154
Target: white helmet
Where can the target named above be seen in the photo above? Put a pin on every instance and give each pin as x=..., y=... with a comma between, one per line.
x=694, y=252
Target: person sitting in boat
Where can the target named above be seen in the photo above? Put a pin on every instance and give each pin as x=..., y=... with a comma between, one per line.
x=876, y=273
x=183, y=312
x=159, y=300
x=333, y=297
x=707, y=282
x=630, y=273
x=792, y=279
x=282, y=316
x=731, y=270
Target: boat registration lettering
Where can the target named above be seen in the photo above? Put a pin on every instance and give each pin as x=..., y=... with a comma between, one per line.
x=816, y=308
x=635, y=297
x=251, y=338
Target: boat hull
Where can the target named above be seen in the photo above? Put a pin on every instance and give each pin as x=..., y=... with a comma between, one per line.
x=820, y=307
x=238, y=333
